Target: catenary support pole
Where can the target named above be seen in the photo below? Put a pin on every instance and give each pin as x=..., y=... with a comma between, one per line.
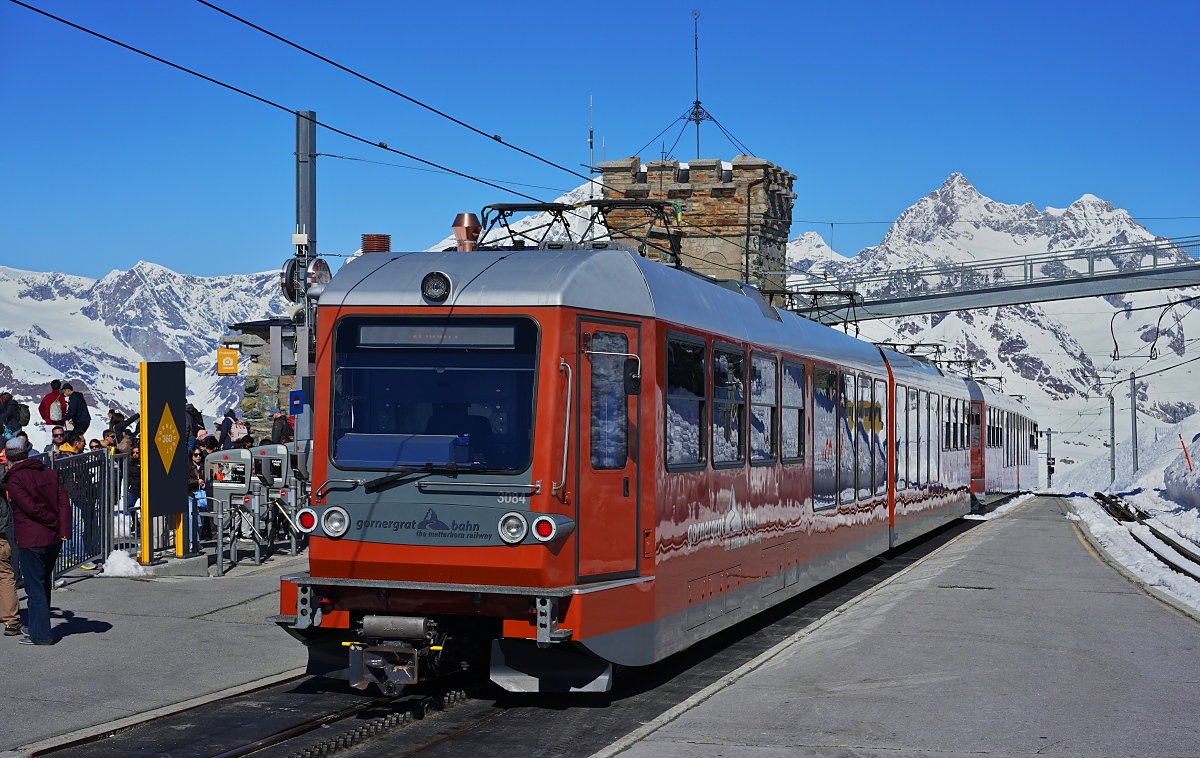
x=1112, y=439
x=306, y=187
x=1050, y=459
x=1133, y=415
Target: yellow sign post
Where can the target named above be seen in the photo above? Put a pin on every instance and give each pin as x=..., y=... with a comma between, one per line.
x=163, y=453
x=227, y=361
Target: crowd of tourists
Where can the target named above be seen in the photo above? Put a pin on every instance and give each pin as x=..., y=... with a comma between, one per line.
x=35, y=504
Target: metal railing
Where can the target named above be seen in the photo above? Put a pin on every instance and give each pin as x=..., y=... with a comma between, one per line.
x=1029, y=269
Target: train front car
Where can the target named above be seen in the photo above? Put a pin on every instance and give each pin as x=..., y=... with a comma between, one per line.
x=443, y=525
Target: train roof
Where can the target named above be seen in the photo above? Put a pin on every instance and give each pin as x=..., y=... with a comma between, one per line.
x=907, y=369
x=997, y=399
x=610, y=280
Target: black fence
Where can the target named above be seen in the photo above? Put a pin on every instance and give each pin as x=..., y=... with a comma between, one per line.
x=102, y=518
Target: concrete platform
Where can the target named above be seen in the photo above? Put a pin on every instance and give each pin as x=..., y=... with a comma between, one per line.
x=128, y=646
x=1015, y=639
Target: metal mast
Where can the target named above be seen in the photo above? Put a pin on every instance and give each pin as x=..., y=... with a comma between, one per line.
x=697, y=113
x=306, y=192
x=591, y=152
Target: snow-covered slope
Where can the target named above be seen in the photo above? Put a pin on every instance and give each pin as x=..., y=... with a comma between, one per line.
x=1058, y=355
x=94, y=333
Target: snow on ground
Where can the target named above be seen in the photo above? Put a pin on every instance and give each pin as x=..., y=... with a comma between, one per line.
x=120, y=564
x=1003, y=510
x=1158, y=448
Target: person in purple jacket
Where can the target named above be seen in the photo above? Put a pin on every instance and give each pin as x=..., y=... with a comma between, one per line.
x=41, y=513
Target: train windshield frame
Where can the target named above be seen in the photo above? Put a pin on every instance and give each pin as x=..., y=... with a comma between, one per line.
x=434, y=393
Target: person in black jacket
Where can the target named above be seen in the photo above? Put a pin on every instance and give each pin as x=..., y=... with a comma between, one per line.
x=281, y=430
x=77, y=418
x=10, y=415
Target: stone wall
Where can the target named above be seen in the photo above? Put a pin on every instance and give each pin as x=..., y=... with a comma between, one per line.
x=263, y=391
x=712, y=234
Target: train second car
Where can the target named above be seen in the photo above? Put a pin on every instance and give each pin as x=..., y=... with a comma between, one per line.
x=554, y=462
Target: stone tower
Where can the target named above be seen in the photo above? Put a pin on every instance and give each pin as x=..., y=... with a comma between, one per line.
x=734, y=215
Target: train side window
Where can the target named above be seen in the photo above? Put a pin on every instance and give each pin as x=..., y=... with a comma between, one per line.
x=729, y=407
x=846, y=438
x=1033, y=438
x=609, y=403
x=958, y=425
x=900, y=434
x=763, y=408
x=879, y=437
x=864, y=425
x=686, y=379
x=914, y=437
x=935, y=445
x=926, y=445
x=792, y=413
x=825, y=435
x=946, y=421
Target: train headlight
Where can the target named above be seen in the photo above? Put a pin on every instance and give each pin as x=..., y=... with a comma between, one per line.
x=306, y=520
x=512, y=527
x=435, y=287
x=335, y=522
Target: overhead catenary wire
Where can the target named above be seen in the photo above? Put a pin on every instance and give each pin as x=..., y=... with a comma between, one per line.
x=436, y=171
x=272, y=103
x=494, y=137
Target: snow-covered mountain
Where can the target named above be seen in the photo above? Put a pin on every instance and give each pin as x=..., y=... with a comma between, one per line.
x=94, y=333
x=1059, y=355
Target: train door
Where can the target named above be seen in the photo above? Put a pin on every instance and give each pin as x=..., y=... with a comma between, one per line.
x=608, y=492
x=976, y=449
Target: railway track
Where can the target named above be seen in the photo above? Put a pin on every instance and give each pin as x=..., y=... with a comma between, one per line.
x=1172, y=548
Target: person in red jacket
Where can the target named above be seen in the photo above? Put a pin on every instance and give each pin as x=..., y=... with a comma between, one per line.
x=41, y=513
x=50, y=414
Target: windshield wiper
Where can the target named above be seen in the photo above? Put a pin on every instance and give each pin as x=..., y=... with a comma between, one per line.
x=403, y=477
x=386, y=481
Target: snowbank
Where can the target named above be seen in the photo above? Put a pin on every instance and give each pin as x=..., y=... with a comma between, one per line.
x=1181, y=480
x=120, y=564
x=1163, y=486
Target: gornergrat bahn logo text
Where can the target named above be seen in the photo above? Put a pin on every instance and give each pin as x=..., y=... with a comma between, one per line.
x=737, y=528
x=429, y=526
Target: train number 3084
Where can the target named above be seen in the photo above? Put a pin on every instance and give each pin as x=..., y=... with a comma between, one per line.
x=507, y=498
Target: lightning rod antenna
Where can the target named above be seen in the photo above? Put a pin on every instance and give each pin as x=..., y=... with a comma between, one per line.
x=696, y=109
x=591, y=153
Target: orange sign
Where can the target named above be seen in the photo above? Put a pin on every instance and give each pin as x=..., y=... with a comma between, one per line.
x=227, y=360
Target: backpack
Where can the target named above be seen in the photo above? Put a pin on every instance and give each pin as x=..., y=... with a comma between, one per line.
x=195, y=421
x=238, y=430
x=23, y=415
x=56, y=409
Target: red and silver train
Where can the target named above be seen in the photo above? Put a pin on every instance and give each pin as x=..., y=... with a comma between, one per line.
x=557, y=462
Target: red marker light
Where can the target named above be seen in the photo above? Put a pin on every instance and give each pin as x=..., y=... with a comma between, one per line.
x=308, y=519
x=543, y=528
x=224, y=457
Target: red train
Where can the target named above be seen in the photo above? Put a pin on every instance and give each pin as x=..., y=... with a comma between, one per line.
x=556, y=461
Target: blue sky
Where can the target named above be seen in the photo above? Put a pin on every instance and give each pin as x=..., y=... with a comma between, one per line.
x=107, y=158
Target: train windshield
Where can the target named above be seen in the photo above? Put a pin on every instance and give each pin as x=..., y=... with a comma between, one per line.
x=434, y=393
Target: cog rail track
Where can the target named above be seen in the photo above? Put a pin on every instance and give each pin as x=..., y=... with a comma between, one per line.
x=405, y=710
x=1172, y=548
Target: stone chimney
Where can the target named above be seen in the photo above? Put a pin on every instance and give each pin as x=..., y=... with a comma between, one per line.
x=713, y=197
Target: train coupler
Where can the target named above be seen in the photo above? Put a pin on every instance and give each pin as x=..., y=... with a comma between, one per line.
x=390, y=664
